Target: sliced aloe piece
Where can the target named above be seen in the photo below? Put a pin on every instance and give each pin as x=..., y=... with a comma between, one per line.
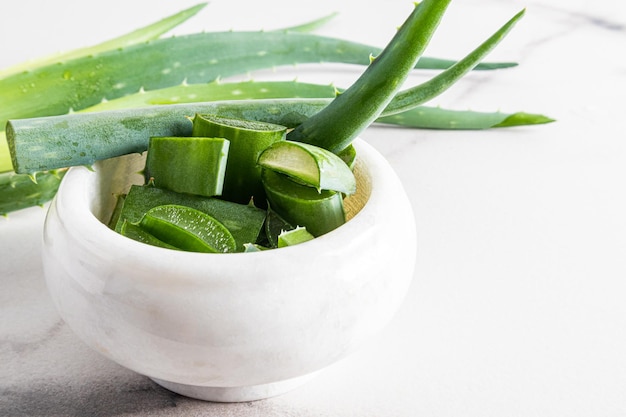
x=192, y=165
x=294, y=237
x=135, y=232
x=244, y=222
x=301, y=205
x=309, y=164
x=274, y=226
x=248, y=138
x=253, y=247
x=188, y=229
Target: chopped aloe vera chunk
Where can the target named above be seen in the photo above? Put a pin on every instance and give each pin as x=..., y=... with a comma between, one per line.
x=294, y=237
x=244, y=222
x=254, y=247
x=248, y=138
x=188, y=229
x=135, y=232
x=301, y=205
x=309, y=164
x=274, y=226
x=193, y=165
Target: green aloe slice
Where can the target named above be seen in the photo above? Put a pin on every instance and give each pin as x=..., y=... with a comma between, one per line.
x=301, y=205
x=248, y=138
x=188, y=229
x=193, y=165
x=294, y=237
x=244, y=222
x=135, y=232
x=311, y=165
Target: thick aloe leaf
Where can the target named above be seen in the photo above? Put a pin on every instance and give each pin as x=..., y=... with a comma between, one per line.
x=353, y=110
x=20, y=191
x=218, y=91
x=188, y=165
x=203, y=57
x=82, y=138
x=420, y=117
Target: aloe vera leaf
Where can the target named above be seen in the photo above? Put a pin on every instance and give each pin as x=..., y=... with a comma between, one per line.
x=522, y=119
x=419, y=117
x=144, y=34
x=187, y=229
x=218, y=91
x=133, y=231
x=20, y=191
x=188, y=165
x=294, y=237
x=438, y=118
x=407, y=99
x=361, y=104
x=196, y=58
x=311, y=165
x=248, y=138
x=301, y=205
x=244, y=222
x=40, y=144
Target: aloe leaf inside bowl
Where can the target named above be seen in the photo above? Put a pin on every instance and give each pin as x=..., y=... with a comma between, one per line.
x=311, y=165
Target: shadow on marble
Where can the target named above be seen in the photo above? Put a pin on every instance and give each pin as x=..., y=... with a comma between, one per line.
x=95, y=399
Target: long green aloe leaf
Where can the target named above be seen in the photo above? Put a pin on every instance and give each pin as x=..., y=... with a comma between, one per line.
x=352, y=111
x=420, y=117
x=143, y=34
x=441, y=82
x=203, y=57
x=334, y=120
x=82, y=138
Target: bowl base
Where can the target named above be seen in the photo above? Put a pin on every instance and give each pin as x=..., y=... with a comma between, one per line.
x=235, y=394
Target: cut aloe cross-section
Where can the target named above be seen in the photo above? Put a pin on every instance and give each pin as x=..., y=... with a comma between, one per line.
x=188, y=165
x=248, y=138
x=244, y=222
x=294, y=237
x=301, y=205
x=188, y=229
x=311, y=165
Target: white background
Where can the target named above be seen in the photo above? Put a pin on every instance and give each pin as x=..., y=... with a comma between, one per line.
x=517, y=306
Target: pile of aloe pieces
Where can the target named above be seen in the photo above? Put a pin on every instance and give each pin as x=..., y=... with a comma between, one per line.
x=109, y=99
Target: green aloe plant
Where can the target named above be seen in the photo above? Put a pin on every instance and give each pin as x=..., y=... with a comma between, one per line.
x=116, y=73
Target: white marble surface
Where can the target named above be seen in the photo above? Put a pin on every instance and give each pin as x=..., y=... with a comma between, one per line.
x=517, y=306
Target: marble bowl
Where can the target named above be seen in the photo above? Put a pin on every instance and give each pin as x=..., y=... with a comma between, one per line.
x=228, y=327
